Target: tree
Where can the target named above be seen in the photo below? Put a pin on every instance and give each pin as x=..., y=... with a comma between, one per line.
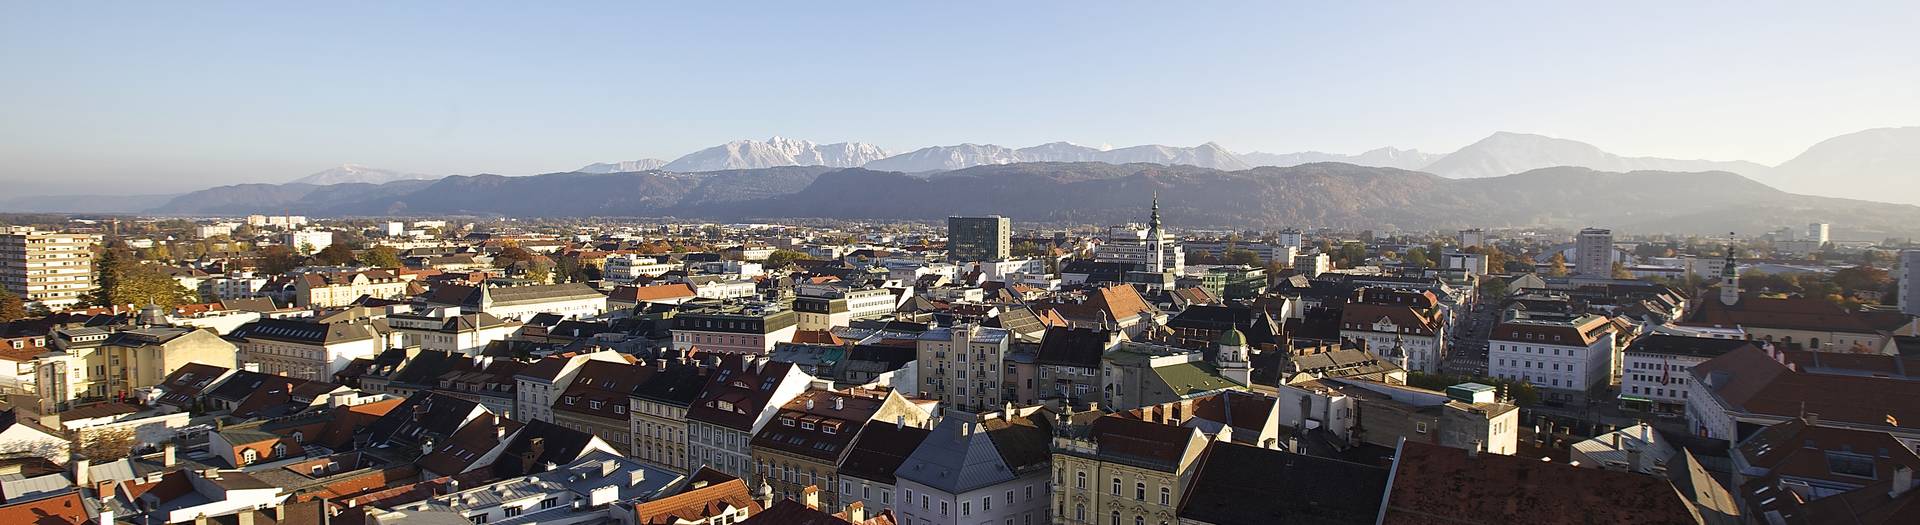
x=1620, y=271
x=124, y=280
x=540, y=269
x=381, y=257
x=107, y=444
x=1352, y=254
x=335, y=254
x=11, y=307
x=1028, y=249
x=1418, y=258
x=1557, y=266
x=1860, y=278
x=512, y=255
x=780, y=258
x=1492, y=288
x=1241, y=256
x=278, y=259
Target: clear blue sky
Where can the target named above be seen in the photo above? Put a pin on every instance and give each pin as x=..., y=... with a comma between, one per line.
x=159, y=96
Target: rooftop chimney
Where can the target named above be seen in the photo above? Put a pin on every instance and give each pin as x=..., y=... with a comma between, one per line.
x=1902, y=481
x=81, y=476
x=839, y=403
x=856, y=512
x=811, y=496
x=245, y=517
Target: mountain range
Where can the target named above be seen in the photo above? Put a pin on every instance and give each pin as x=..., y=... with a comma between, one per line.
x=1309, y=195
x=355, y=173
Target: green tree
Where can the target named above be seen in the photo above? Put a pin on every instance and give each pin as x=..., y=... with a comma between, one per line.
x=11, y=307
x=1241, y=256
x=381, y=257
x=1493, y=289
x=1861, y=278
x=1557, y=266
x=780, y=258
x=124, y=280
x=1353, y=254
x=278, y=259
x=1418, y=257
x=335, y=254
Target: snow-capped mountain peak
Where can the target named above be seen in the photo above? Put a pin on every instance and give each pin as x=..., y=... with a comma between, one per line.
x=352, y=173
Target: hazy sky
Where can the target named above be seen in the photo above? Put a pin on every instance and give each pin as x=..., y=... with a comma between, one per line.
x=163, y=96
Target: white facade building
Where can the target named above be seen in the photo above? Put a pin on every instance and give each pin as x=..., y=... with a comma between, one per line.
x=1565, y=358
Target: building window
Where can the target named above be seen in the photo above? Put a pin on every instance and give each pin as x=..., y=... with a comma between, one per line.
x=1420, y=426
x=1116, y=486
x=1080, y=480
x=1166, y=496
x=1140, y=491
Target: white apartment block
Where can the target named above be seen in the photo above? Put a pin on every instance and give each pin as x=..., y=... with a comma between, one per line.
x=46, y=268
x=1564, y=358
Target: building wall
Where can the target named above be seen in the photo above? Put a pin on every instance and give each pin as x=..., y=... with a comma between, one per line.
x=659, y=434
x=51, y=269
x=1642, y=377
x=1024, y=499
x=1564, y=370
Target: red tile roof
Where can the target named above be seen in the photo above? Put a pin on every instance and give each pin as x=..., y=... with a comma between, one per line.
x=1436, y=484
x=708, y=499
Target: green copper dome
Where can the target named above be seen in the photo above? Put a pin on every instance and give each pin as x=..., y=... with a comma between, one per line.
x=1232, y=337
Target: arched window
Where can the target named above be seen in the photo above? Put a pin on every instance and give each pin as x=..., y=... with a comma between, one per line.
x=1166, y=496
x=1079, y=512
x=1139, y=520
x=1116, y=518
x=1080, y=481
x=1140, y=491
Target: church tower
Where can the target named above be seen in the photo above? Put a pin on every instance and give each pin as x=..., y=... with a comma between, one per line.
x=1156, y=245
x=1730, y=280
x=1232, y=359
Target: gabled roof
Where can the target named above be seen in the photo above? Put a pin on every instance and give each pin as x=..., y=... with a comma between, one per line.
x=1702, y=347
x=1436, y=484
x=538, y=443
x=302, y=332
x=601, y=389
x=743, y=386
x=1079, y=347
x=820, y=424
x=1750, y=380
x=66, y=508
x=881, y=448
x=708, y=493
x=1243, y=484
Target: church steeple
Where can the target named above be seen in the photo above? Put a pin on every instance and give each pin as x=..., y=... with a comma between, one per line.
x=1156, y=242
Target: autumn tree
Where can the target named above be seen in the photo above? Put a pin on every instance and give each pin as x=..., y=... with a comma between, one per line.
x=335, y=254
x=1557, y=266
x=107, y=444
x=278, y=259
x=11, y=307
x=1620, y=271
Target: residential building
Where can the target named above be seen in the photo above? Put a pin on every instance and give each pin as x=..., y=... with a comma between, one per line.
x=813, y=434
x=746, y=328
x=867, y=475
x=308, y=241
x=1593, y=252
x=627, y=267
x=597, y=400
x=1656, y=369
x=708, y=498
x=742, y=394
x=601, y=487
x=1819, y=233
x=963, y=366
x=103, y=362
x=629, y=297
x=1907, y=270
x=1568, y=358
x=1068, y=365
x=538, y=387
x=1312, y=264
x=1472, y=237
x=46, y=268
x=1798, y=322
x=1122, y=469
x=839, y=307
x=986, y=468
x=1404, y=326
x=1733, y=396
x=1359, y=412
x=1431, y=483
x=1134, y=375
x=447, y=330
x=1291, y=237
x=1239, y=484
x=659, y=412
x=302, y=348
x=519, y=303
x=978, y=239
x=337, y=289
x=1803, y=471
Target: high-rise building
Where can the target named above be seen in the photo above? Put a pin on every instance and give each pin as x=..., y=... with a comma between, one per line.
x=1472, y=237
x=1293, y=237
x=46, y=268
x=1817, y=232
x=1909, y=270
x=1593, y=252
x=978, y=239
